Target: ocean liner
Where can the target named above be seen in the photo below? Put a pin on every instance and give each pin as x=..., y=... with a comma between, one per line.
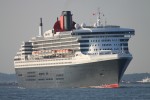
x=73, y=55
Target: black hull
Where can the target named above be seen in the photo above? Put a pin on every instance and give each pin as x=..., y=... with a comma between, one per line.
x=80, y=75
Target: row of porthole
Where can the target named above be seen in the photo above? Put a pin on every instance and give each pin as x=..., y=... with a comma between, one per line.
x=108, y=40
x=45, y=64
x=103, y=36
x=125, y=44
x=100, y=49
x=45, y=60
x=99, y=53
x=44, y=79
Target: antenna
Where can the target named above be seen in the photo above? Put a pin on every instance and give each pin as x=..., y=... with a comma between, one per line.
x=99, y=17
x=41, y=22
x=41, y=28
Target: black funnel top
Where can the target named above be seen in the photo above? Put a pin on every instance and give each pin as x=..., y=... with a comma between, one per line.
x=66, y=13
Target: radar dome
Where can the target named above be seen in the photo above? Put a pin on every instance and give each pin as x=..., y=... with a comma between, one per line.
x=95, y=24
x=77, y=26
x=83, y=25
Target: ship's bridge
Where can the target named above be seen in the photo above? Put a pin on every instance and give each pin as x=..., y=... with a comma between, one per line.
x=103, y=30
x=103, y=39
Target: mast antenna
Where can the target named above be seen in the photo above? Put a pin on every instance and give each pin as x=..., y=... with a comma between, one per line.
x=99, y=18
x=41, y=28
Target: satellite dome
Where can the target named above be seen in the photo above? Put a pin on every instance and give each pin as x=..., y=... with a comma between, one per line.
x=83, y=25
x=77, y=26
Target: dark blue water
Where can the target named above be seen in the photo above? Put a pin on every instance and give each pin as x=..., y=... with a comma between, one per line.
x=125, y=92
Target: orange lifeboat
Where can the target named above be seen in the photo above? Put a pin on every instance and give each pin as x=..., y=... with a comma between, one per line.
x=54, y=51
x=64, y=51
x=58, y=51
x=67, y=50
x=33, y=53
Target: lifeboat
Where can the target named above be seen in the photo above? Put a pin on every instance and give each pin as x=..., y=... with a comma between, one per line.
x=63, y=51
x=53, y=51
x=33, y=53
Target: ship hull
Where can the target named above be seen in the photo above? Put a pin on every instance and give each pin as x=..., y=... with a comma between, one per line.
x=80, y=75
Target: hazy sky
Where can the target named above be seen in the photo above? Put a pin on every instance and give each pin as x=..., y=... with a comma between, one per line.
x=19, y=20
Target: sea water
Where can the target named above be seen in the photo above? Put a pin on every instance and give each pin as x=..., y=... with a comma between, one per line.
x=125, y=92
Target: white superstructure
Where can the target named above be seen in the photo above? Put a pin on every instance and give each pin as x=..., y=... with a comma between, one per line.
x=93, y=43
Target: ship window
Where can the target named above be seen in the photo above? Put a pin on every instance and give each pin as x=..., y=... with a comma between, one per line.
x=85, y=45
x=49, y=79
x=19, y=74
x=125, y=48
x=83, y=41
x=101, y=74
x=84, y=50
x=41, y=73
x=124, y=44
x=30, y=79
x=31, y=76
x=58, y=75
x=59, y=78
x=41, y=79
x=30, y=72
x=123, y=40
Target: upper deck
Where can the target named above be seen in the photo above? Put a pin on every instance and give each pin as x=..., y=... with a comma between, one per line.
x=109, y=29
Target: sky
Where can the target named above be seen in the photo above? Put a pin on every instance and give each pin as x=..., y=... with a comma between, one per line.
x=19, y=21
